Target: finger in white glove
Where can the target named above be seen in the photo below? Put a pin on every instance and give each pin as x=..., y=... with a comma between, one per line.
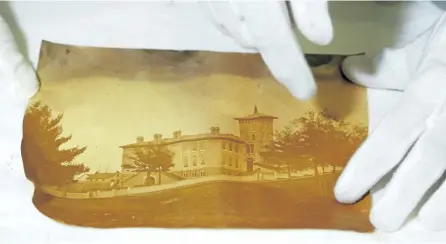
x=266, y=27
x=18, y=83
x=313, y=20
x=16, y=73
x=423, y=166
x=433, y=213
x=416, y=122
x=392, y=69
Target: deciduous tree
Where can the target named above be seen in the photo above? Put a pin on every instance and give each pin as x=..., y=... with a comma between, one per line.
x=151, y=158
x=314, y=139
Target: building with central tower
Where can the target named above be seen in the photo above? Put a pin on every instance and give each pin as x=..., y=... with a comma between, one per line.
x=212, y=153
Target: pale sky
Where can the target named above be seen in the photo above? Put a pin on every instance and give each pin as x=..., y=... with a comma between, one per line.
x=110, y=96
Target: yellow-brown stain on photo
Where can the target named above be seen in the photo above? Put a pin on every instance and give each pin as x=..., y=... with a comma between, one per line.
x=177, y=139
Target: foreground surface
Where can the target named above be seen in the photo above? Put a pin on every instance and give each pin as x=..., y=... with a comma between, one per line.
x=286, y=204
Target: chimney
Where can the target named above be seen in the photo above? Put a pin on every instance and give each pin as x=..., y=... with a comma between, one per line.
x=157, y=138
x=215, y=130
x=177, y=134
x=139, y=139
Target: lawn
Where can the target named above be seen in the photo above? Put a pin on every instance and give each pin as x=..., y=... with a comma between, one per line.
x=285, y=204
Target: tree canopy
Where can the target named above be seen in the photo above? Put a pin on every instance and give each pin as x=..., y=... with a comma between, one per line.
x=315, y=138
x=153, y=158
x=45, y=160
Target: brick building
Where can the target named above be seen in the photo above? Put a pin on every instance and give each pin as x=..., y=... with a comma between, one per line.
x=212, y=153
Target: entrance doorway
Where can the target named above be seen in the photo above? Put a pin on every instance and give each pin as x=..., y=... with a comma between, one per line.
x=250, y=165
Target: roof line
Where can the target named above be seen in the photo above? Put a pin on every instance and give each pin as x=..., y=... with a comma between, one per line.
x=185, y=140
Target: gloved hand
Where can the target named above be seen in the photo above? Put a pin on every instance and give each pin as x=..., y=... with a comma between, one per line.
x=273, y=37
x=412, y=135
x=18, y=83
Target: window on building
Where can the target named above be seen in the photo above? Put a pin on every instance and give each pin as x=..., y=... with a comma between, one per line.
x=202, y=173
x=194, y=173
x=185, y=174
x=230, y=146
x=230, y=161
x=236, y=162
x=194, y=161
x=251, y=148
x=236, y=148
x=201, y=146
x=247, y=148
x=223, y=145
x=253, y=137
x=194, y=147
x=186, y=161
x=202, y=161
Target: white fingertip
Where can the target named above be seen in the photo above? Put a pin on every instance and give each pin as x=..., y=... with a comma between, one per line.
x=313, y=20
x=394, y=136
x=18, y=74
x=382, y=151
x=226, y=18
x=25, y=83
x=419, y=171
x=385, y=71
x=393, y=68
x=288, y=65
x=433, y=213
x=269, y=28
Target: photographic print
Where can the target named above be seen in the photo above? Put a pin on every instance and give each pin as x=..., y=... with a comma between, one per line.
x=189, y=139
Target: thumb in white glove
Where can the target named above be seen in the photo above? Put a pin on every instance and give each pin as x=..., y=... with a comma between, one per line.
x=18, y=83
x=266, y=27
x=411, y=135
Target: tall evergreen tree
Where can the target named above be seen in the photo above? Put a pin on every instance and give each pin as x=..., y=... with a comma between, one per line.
x=45, y=161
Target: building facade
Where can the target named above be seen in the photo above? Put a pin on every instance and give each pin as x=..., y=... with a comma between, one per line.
x=212, y=153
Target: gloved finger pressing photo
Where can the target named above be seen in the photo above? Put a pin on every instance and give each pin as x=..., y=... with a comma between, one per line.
x=274, y=38
x=392, y=140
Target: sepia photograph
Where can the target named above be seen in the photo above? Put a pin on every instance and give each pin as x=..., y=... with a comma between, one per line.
x=189, y=139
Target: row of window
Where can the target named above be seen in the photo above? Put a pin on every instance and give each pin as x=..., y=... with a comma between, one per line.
x=230, y=147
x=225, y=146
x=248, y=147
x=194, y=161
x=194, y=146
x=194, y=174
x=228, y=161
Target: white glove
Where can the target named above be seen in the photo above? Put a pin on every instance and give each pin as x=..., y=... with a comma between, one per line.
x=272, y=36
x=18, y=83
x=412, y=134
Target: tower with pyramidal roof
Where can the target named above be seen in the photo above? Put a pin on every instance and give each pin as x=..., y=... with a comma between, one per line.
x=257, y=129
